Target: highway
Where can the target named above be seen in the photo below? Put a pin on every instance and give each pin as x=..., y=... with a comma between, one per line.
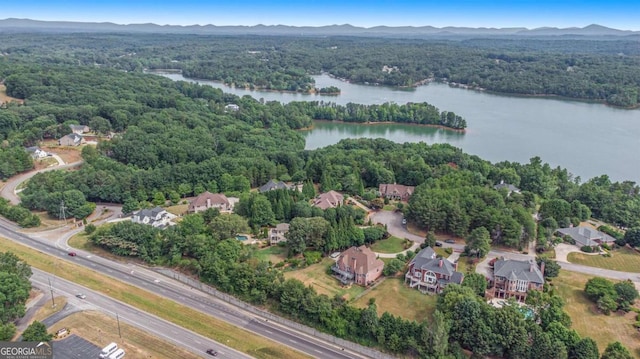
x=188, y=296
x=149, y=323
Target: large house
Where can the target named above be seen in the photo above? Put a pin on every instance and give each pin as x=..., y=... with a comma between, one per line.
x=79, y=129
x=273, y=185
x=358, y=265
x=396, y=191
x=430, y=274
x=510, y=188
x=155, y=217
x=36, y=152
x=278, y=234
x=208, y=200
x=515, y=278
x=331, y=199
x=585, y=236
x=72, y=139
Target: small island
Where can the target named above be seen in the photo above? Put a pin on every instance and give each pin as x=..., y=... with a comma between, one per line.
x=331, y=90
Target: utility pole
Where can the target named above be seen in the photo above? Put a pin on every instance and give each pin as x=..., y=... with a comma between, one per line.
x=53, y=301
x=118, y=320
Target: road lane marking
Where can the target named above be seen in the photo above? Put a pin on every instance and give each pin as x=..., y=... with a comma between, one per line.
x=268, y=331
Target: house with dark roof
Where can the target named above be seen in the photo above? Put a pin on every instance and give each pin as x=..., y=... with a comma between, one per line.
x=396, y=191
x=509, y=187
x=585, y=236
x=358, y=265
x=515, y=278
x=331, y=199
x=278, y=234
x=155, y=217
x=36, y=152
x=430, y=274
x=208, y=200
x=72, y=139
x=273, y=185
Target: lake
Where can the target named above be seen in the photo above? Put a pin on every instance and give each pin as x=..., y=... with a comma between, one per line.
x=589, y=139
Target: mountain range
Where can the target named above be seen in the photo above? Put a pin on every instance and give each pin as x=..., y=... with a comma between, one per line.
x=28, y=25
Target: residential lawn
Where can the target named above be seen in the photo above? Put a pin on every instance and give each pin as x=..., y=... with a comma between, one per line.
x=81, y=241
x=464, y=266
x=274, y=254
x=316, y=276
x=178, y=209
x=587, y=321
x=203, y=324
x=393, y=296
x=101, y=330
x=440, y=251
x=622, y=259
x=47, y=309
x=389, y=207
x=389, y=245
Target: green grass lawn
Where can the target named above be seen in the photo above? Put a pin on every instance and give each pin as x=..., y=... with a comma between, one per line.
x=274, y=254
x=623, y=259
x=398, y=299
x=316, y=276
x=389, y=245
x=587, y=321
x=389, y=207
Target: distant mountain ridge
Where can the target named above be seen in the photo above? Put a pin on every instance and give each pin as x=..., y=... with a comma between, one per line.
x=28, y=25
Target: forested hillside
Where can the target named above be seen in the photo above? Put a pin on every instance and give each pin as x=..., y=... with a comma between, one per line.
x=600, y=70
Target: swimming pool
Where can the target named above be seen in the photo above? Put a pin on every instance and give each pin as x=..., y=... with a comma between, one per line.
x=241, y=238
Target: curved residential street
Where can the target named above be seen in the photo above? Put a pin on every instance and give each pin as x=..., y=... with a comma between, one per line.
x=394, y=224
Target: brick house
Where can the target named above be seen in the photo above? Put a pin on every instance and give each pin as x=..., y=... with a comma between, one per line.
x=430, y=274
x=515, y=278
x=358, y=265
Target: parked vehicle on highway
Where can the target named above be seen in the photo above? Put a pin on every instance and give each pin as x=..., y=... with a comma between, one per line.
x=72, y=254
x=108, y=350
x=81, y=296
x=450, y=241
x=118, y=354
x=212, y=352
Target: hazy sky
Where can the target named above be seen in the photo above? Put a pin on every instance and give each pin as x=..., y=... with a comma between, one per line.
x=620, y=14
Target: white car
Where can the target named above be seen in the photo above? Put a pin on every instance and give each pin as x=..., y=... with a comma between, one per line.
x=81, y=296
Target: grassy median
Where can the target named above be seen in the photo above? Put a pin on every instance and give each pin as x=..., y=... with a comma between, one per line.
x=218, y=330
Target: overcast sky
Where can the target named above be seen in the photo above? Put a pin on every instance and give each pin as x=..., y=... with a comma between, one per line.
x=619, y=14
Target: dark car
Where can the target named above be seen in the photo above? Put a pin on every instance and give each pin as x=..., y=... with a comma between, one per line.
x=438, y=244
x=72, y=254
x=212, y=352
x=450, y=241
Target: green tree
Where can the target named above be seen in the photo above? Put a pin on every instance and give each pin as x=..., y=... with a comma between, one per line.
x=228, y=226
x=597, y=288
x=308, y=190
x=478, y=242
x=130, y=205
x=551, y=267
x=477, y=282
x=616, y=351
x=36, y=332
x=627, y=293
x=586, y=348
x=392, y=267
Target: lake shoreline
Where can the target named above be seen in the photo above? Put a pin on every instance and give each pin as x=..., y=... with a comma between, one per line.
x=374, y=123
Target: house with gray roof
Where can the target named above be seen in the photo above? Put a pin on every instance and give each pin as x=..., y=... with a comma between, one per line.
x=72, y=139
x=510, y=188
x=585, y=236
x=155, y=217
x=515, y=278
x=430, y=273
x=273, y=185
x=79, y=129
